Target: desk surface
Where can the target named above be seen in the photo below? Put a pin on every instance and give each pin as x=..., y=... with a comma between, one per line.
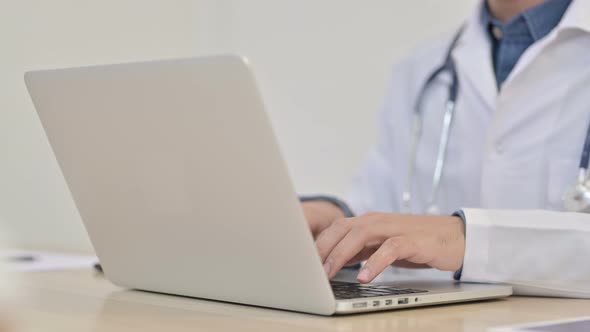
x=85, y=301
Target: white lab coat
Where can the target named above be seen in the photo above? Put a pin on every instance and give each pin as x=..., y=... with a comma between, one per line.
x=512, y=154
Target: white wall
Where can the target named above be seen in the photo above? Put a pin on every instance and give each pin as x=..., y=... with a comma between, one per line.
x=321, y=64
x=34, y=201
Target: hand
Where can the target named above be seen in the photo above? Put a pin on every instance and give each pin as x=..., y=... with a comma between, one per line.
x=320, y=215
x=386, y=238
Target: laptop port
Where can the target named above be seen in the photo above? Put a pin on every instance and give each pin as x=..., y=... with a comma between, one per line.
x=403, y=301
x=376, y=303
x=359, y=305
x=388, y=302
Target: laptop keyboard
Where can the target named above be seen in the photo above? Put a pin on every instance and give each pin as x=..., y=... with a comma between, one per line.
x=347, y=290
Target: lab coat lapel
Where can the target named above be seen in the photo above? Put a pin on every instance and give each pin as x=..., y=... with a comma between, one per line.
x=473, y=59
x=577, y=16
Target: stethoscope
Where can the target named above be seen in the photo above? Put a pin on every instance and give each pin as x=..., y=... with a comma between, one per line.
x=576, y=199
x=448, y=66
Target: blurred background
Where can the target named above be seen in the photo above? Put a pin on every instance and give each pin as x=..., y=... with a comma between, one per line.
x=322, y=66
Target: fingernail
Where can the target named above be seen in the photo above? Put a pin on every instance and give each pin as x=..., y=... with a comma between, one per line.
x=327, y=268
x=363, y=276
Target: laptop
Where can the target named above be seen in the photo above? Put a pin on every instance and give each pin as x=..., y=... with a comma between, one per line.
x=178, y=178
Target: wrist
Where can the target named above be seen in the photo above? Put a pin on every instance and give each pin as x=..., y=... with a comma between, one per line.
x=455, y=240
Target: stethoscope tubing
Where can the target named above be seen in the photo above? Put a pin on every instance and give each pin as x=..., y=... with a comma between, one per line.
x=449, y=66
x=577, y=201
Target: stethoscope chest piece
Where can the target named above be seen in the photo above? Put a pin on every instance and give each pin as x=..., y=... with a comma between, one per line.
x=577, y=198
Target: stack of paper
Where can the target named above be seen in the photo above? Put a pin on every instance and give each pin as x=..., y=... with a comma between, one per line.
x=36, y=261
x=572, y=325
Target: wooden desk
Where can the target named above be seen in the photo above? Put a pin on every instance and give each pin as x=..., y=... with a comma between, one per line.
x=84, y=301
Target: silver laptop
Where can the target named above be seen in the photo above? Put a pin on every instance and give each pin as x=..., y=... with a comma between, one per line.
x=176, y=173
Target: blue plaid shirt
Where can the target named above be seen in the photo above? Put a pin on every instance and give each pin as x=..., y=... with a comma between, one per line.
x=510, y=40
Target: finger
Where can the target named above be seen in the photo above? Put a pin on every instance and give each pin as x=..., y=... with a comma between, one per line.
x=409, y=265
x=395, y=248
x=361, y=256
x=331, y=236
x=349, y=247
x=315, y=218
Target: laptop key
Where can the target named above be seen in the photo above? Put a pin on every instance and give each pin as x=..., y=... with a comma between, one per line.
x=418, y=291
x=344, y=290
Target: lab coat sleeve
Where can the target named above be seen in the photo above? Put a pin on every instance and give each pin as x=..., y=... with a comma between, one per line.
x=542, y=253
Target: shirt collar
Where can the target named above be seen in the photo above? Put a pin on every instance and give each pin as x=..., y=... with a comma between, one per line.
x=576, y=17
x=534, y=23
x=473, y=48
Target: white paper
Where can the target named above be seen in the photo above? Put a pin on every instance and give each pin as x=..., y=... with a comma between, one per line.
x=570, y=325
x=44, y=261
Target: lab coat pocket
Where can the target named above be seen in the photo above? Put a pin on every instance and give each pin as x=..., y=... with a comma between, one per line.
x=562, y=175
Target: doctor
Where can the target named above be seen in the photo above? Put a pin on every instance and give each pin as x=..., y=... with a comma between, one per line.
x=486, y=129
